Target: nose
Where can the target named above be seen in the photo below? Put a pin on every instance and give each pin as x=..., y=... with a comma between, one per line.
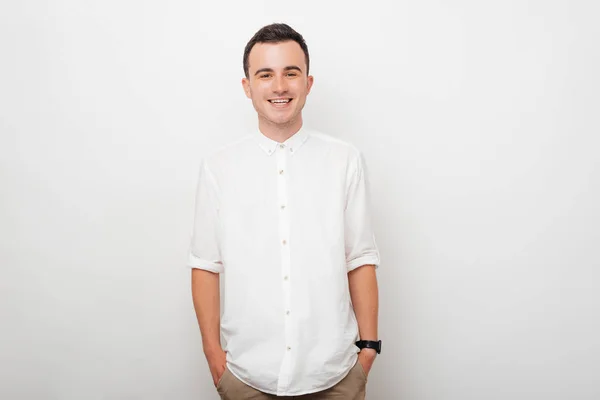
x=279, y=85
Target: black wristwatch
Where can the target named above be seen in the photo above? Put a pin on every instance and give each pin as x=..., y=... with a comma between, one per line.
x=369, y=344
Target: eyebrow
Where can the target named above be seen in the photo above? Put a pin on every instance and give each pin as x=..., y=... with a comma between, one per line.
x=288, y=68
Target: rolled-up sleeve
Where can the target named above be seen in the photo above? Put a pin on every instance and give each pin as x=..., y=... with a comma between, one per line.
x=204, y=252
x=360, y=245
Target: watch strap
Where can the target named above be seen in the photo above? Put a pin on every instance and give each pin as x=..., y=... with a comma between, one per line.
x=370, y=344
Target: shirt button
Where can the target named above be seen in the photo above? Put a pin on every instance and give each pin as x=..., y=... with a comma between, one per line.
x=283, y=206
x=289, y=348
x=284, y=242
x=285, y=278
x=291, y=149
x=282, y=145
x=287, y=312
x=280, y=172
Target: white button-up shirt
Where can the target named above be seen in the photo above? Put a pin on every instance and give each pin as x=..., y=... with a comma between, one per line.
x=285, y=223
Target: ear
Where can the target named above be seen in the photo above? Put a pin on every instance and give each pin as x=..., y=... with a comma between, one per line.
x=246, y=86
x=309, y=82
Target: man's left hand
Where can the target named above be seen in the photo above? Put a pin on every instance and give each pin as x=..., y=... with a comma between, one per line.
x=366, y=357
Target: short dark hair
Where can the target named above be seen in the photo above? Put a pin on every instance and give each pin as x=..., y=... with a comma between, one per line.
x=275, y=33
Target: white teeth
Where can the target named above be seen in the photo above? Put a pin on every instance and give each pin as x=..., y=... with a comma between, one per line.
x=280, y=101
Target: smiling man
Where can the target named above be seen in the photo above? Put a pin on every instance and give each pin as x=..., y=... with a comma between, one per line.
x=283, y=214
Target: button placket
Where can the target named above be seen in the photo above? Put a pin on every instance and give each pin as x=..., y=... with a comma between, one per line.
x=284, y=242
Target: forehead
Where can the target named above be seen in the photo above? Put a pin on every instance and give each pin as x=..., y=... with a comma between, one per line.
x=276, y=55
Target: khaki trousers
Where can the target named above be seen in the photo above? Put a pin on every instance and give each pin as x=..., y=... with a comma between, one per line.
x=352, y=387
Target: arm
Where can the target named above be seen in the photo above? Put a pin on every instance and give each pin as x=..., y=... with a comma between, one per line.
x=365, y=300
x=206, y=297
x=362, y=258
x=205, y=261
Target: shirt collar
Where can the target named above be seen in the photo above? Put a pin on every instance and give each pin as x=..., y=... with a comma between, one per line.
x=293, y=143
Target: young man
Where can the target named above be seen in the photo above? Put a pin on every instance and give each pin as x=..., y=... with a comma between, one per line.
x=283, y=213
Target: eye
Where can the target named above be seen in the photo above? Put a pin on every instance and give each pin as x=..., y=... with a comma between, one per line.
x=292, y=74
x=265, y=75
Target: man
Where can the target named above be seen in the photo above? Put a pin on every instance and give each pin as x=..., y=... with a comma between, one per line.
x=282, y=213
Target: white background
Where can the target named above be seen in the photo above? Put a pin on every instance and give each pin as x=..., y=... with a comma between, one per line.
x=479, y=121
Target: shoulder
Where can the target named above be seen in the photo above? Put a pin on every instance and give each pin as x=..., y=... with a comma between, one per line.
x=339, y=145
x=344, y=153
x=228, y=152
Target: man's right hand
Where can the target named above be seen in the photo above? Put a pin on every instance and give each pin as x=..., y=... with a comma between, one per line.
x=217, y=362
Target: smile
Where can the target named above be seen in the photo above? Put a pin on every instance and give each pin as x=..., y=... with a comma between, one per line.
x=279, y=101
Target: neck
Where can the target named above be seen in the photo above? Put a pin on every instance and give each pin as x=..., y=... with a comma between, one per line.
x=279, y=133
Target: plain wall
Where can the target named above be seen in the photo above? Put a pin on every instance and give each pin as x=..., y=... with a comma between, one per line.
x=479, y=124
